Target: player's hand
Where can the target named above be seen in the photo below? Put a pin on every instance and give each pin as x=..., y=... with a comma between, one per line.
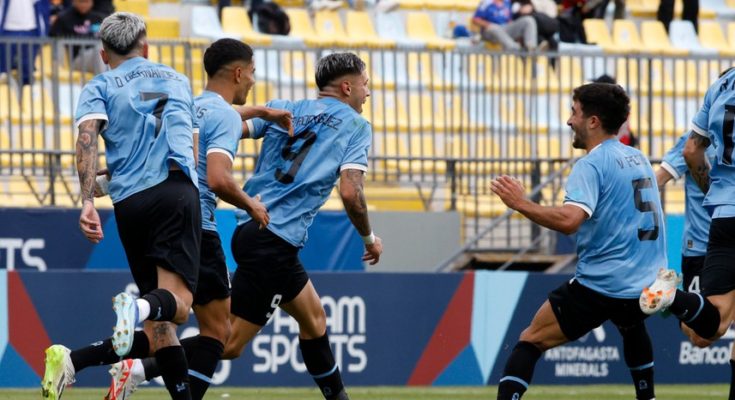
x=101, y=183
x=510, y=191
x=282, y=118
x=89, y=222
x=258, y=212
x=373, y=251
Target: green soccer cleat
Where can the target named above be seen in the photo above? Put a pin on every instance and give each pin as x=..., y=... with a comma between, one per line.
x=59, y=372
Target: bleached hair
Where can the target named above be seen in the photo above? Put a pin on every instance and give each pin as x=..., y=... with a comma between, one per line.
x=122, y=32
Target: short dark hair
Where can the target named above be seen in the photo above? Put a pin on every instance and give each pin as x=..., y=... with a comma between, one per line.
x=223, y=52
x=606, y=101
x=337, y=65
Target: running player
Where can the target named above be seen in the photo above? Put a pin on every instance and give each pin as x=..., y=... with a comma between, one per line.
x=145, y=114
x=612, y=204
x=710, y=312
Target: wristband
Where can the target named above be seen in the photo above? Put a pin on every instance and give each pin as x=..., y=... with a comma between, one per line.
x=369, y=239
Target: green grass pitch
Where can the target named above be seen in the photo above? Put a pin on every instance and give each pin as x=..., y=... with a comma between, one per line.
x=577, y=392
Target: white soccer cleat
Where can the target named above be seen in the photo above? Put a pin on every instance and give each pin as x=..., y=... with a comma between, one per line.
x=59, y=372
x=127, y=317
x=661, y=294
x=126, y=376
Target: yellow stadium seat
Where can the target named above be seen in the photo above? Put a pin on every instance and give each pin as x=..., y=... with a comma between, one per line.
x=655, y=39
x=393, y=198
x=597, y=33
x=301, y=27
x=513, y=73
x=139, y=7
x=647, y=9
x=625, y=36
x=235, y=21
x=328, y=25
x=661, y=119
x=37, y=105
x=731, y=34
x=162, y=28
x=412, y=4
x=711, y=36
x=374, y=68
x=262, y=92
x=421, y=69
x=693, y=78
x=299, y=66
x=386, y=113
x=360, y=26
x=9, y=105
x=479, y=206
x=420, y=27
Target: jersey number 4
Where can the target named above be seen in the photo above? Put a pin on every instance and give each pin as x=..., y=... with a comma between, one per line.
x=296, y=155
x=645, y=206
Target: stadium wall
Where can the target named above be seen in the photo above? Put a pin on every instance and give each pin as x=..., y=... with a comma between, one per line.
x=47, y=239
x=386, y=329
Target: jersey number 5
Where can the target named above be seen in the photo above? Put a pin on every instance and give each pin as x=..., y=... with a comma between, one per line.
x=296, y=156
x=160, y=105
x=645, y=206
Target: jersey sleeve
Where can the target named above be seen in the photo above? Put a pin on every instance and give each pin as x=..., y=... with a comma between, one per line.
x=673, y=162
x=356, y=154
x=258, y=127
x=224, y=134
x=92, y=102
x=700, y=123
x=583, y=187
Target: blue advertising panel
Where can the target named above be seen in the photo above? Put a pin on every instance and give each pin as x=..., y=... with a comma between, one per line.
x=49, y=239
x=385, y=329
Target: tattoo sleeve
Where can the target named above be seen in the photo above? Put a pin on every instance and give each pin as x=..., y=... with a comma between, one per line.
x=87, y=156
x=353, y=197
x=697, y=161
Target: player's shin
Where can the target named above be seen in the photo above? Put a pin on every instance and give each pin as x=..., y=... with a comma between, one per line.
x=320, y=363
x=697, y=312
x=638, y=354
x=518, y=371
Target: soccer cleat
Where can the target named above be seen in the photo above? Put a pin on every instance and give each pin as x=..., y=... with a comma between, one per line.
x=126, y=376
x=127, y=317
x=59, y=372
x=661, y=294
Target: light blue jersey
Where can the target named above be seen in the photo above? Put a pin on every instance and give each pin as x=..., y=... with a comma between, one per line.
x=220, y=129
x=294, y=176
x=716, y=120
x=697, y=219
x=621, y=245
x=150, y=123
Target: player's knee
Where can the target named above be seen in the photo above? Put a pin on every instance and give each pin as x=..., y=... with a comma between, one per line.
x=316, y=325
x=530, y=336
x=232, y=351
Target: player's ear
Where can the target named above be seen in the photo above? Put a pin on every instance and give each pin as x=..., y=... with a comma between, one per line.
x=346, y=87
x=105, y=57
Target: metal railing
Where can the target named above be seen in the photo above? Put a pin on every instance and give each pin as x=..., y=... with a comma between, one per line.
x=444, y=122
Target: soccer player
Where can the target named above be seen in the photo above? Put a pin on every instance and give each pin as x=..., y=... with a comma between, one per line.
x=696, y=224
x=230, y=68
x=710, y=312
x=145, y=114
x=294, y=176
x=613, y=205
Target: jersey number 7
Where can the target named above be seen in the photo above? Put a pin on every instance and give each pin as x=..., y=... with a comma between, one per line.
x=296, y=156
x=160, y=105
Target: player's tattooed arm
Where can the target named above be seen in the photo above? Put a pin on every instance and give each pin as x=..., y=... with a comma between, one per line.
x=694, y=154
x=353, y=196
x=87, y=156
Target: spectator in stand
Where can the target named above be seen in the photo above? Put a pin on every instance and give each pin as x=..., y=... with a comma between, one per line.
x=547, y=26
x=22, y=19
x=81, y=21
x=496, y=23
x=101, y=6
x=625, y=135
x=573, y=13
x=690, y=12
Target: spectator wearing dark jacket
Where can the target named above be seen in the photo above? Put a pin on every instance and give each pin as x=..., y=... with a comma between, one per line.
x=81, y=21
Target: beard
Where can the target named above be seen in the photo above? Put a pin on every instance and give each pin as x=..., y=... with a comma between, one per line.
x=578, y=141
